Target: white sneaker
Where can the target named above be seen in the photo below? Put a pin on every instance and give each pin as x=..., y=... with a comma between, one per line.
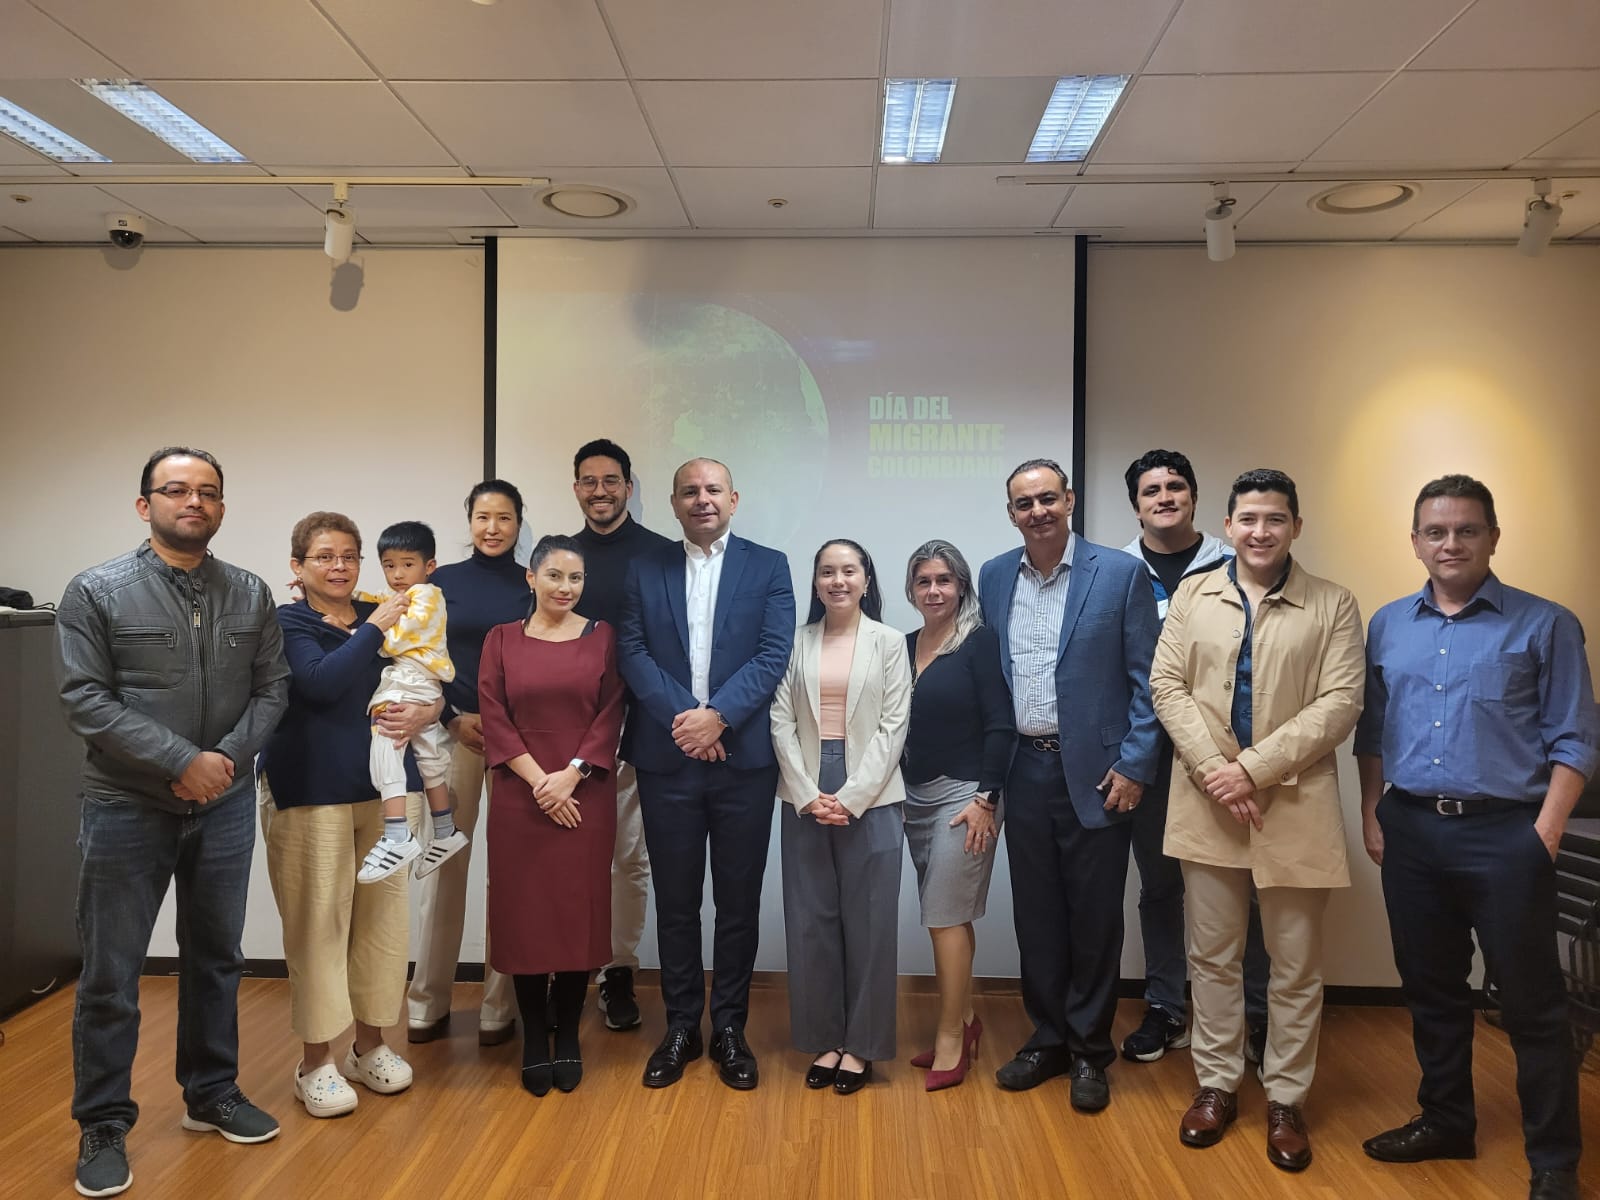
x=386, y=857
x=438, y=850
x=324, y=1092
x=379, y=1069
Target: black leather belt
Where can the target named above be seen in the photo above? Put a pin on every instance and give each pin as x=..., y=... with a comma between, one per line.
x=1449, y=806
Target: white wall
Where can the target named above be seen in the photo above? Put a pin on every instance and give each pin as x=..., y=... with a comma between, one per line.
x=1363, y=372
x=242, y=353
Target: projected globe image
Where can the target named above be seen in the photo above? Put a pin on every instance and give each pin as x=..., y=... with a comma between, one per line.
x=716, y=382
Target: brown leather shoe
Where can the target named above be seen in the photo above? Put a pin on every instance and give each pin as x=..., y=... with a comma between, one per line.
x=1288, y=1143
x=1208, y=1117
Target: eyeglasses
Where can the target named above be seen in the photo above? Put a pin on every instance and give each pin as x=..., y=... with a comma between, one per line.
x=177, y=491
x=327, y=560
x=608, y=483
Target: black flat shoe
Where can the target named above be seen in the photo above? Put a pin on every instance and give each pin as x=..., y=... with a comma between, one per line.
x=846, y=1082
x=537, y=1078
x=678, y=1049
x=566, y=1073
x=819, y=1076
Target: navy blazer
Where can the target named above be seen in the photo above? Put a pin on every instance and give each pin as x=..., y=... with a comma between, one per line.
x=752, y=633
x=1108, y=638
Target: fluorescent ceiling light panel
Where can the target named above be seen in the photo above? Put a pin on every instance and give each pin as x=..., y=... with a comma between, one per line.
x=1076, y=113
x=916, y=113
x=40, y=135
x=154, y=112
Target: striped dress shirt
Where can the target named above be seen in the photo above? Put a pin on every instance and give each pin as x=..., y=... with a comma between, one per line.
x=1037, y=608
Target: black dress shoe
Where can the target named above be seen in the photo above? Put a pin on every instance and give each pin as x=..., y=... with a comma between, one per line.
x=1553, y=1185
x=677, y=1050
x=846, y=1082
x=1030, y=1068
x=1091, y=1091
x=819, y=1077
x=735, y=1063
x=1419, y=1140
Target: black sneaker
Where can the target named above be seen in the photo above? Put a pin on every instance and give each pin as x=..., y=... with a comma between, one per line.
x=1157, y=1034
x=103, y=1162
x=617, y=1003
x=235, y=1118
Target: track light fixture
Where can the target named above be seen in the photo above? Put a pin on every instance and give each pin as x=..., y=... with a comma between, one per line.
x=1219, y=224
x=1540, y=220
x=339, y=226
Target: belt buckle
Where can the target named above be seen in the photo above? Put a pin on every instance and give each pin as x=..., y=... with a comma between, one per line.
x=1446, y=807
x=1047, y=744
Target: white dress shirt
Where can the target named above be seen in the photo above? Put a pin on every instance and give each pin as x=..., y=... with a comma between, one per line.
x=1037, y=608
x=701, y=577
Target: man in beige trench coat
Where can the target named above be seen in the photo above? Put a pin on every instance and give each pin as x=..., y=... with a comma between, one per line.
x=1258, y=678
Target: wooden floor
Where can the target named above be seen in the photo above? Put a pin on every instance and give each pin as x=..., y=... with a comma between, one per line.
x=467, y=1129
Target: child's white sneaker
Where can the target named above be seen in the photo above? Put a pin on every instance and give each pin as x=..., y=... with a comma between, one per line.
x=386, y=857
x=438, y=850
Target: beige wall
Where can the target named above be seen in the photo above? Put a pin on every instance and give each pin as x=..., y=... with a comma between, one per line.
x=1363, y=372
x=375, y=411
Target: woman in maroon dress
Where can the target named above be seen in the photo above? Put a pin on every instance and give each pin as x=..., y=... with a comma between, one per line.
x=551, y=703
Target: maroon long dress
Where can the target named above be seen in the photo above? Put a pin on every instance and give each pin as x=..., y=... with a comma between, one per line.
x=550, y=887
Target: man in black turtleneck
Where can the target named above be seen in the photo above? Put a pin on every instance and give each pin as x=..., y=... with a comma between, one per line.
x=602, y=480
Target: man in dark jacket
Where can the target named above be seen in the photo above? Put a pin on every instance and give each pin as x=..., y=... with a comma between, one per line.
x=172, y=670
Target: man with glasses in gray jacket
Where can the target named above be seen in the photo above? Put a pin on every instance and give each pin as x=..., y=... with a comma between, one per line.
x=172, y=670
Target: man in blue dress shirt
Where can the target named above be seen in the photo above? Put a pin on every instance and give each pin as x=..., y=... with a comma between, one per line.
x=1481, y=718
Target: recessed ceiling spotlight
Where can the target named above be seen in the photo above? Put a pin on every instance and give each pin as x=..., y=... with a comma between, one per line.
x=1358, y=199
x=777, y=202
x=585, y=201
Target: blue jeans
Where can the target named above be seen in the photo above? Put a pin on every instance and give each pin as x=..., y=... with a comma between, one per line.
x=131, y=852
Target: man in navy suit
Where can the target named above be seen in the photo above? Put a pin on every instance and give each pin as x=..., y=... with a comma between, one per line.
x=1077, y=627
x=707, y=625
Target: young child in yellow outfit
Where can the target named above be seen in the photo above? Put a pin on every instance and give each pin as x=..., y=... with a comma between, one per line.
x=421, y=664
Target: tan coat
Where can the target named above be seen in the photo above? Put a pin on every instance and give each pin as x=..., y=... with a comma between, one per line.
x=1308, y=674
x=877, y=708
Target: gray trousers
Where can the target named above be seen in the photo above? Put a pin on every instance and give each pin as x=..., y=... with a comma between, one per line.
x=841, y=900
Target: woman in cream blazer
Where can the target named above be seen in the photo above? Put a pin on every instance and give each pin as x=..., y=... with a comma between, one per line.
x=838, y=728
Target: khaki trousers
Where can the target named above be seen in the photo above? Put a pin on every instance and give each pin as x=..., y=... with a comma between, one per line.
x=443, y=914
x=345, y=943
x=630, y=873
x=1217, y=912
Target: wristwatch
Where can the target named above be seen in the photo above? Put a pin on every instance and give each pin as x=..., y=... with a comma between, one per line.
x=582, y=768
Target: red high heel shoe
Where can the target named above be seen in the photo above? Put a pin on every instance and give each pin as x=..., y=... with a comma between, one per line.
x=936, y=1081
x=969, y=1044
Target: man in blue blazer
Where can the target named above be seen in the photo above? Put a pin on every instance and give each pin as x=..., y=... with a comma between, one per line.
x=1077, y=627
x=707, y=626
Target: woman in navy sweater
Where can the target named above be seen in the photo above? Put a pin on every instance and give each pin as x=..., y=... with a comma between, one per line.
x=345, y=946
x=488, y=588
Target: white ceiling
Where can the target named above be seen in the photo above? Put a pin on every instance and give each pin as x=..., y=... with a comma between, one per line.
x=703, y=112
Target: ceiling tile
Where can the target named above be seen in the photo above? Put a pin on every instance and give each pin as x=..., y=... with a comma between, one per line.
x=736, y=198
x=1240, y=118
x=994, y=120
x=35, y=47
x=1582, y=141
x=11, y=235
x=1164, y=212
x=765, y=123
x=94, y=123
x=937, y=38
x=263, y=235
x=1464, y=118
x=413, y=207
x=1494, y=211
x=737, y=39
x=489, y=125
x=656, y=203
x=200, y=208
x=76, y=213
x=1286, y=215
x=942, y=196
x=529, y=39
x=17, y=159
x=336, y=124
x=206, y=39
x=1498, y=34
x=1215, y=36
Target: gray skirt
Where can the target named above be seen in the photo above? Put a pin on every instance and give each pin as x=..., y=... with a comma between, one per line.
x=952, y=884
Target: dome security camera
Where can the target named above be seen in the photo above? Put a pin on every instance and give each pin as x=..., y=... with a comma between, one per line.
x=126, y=230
